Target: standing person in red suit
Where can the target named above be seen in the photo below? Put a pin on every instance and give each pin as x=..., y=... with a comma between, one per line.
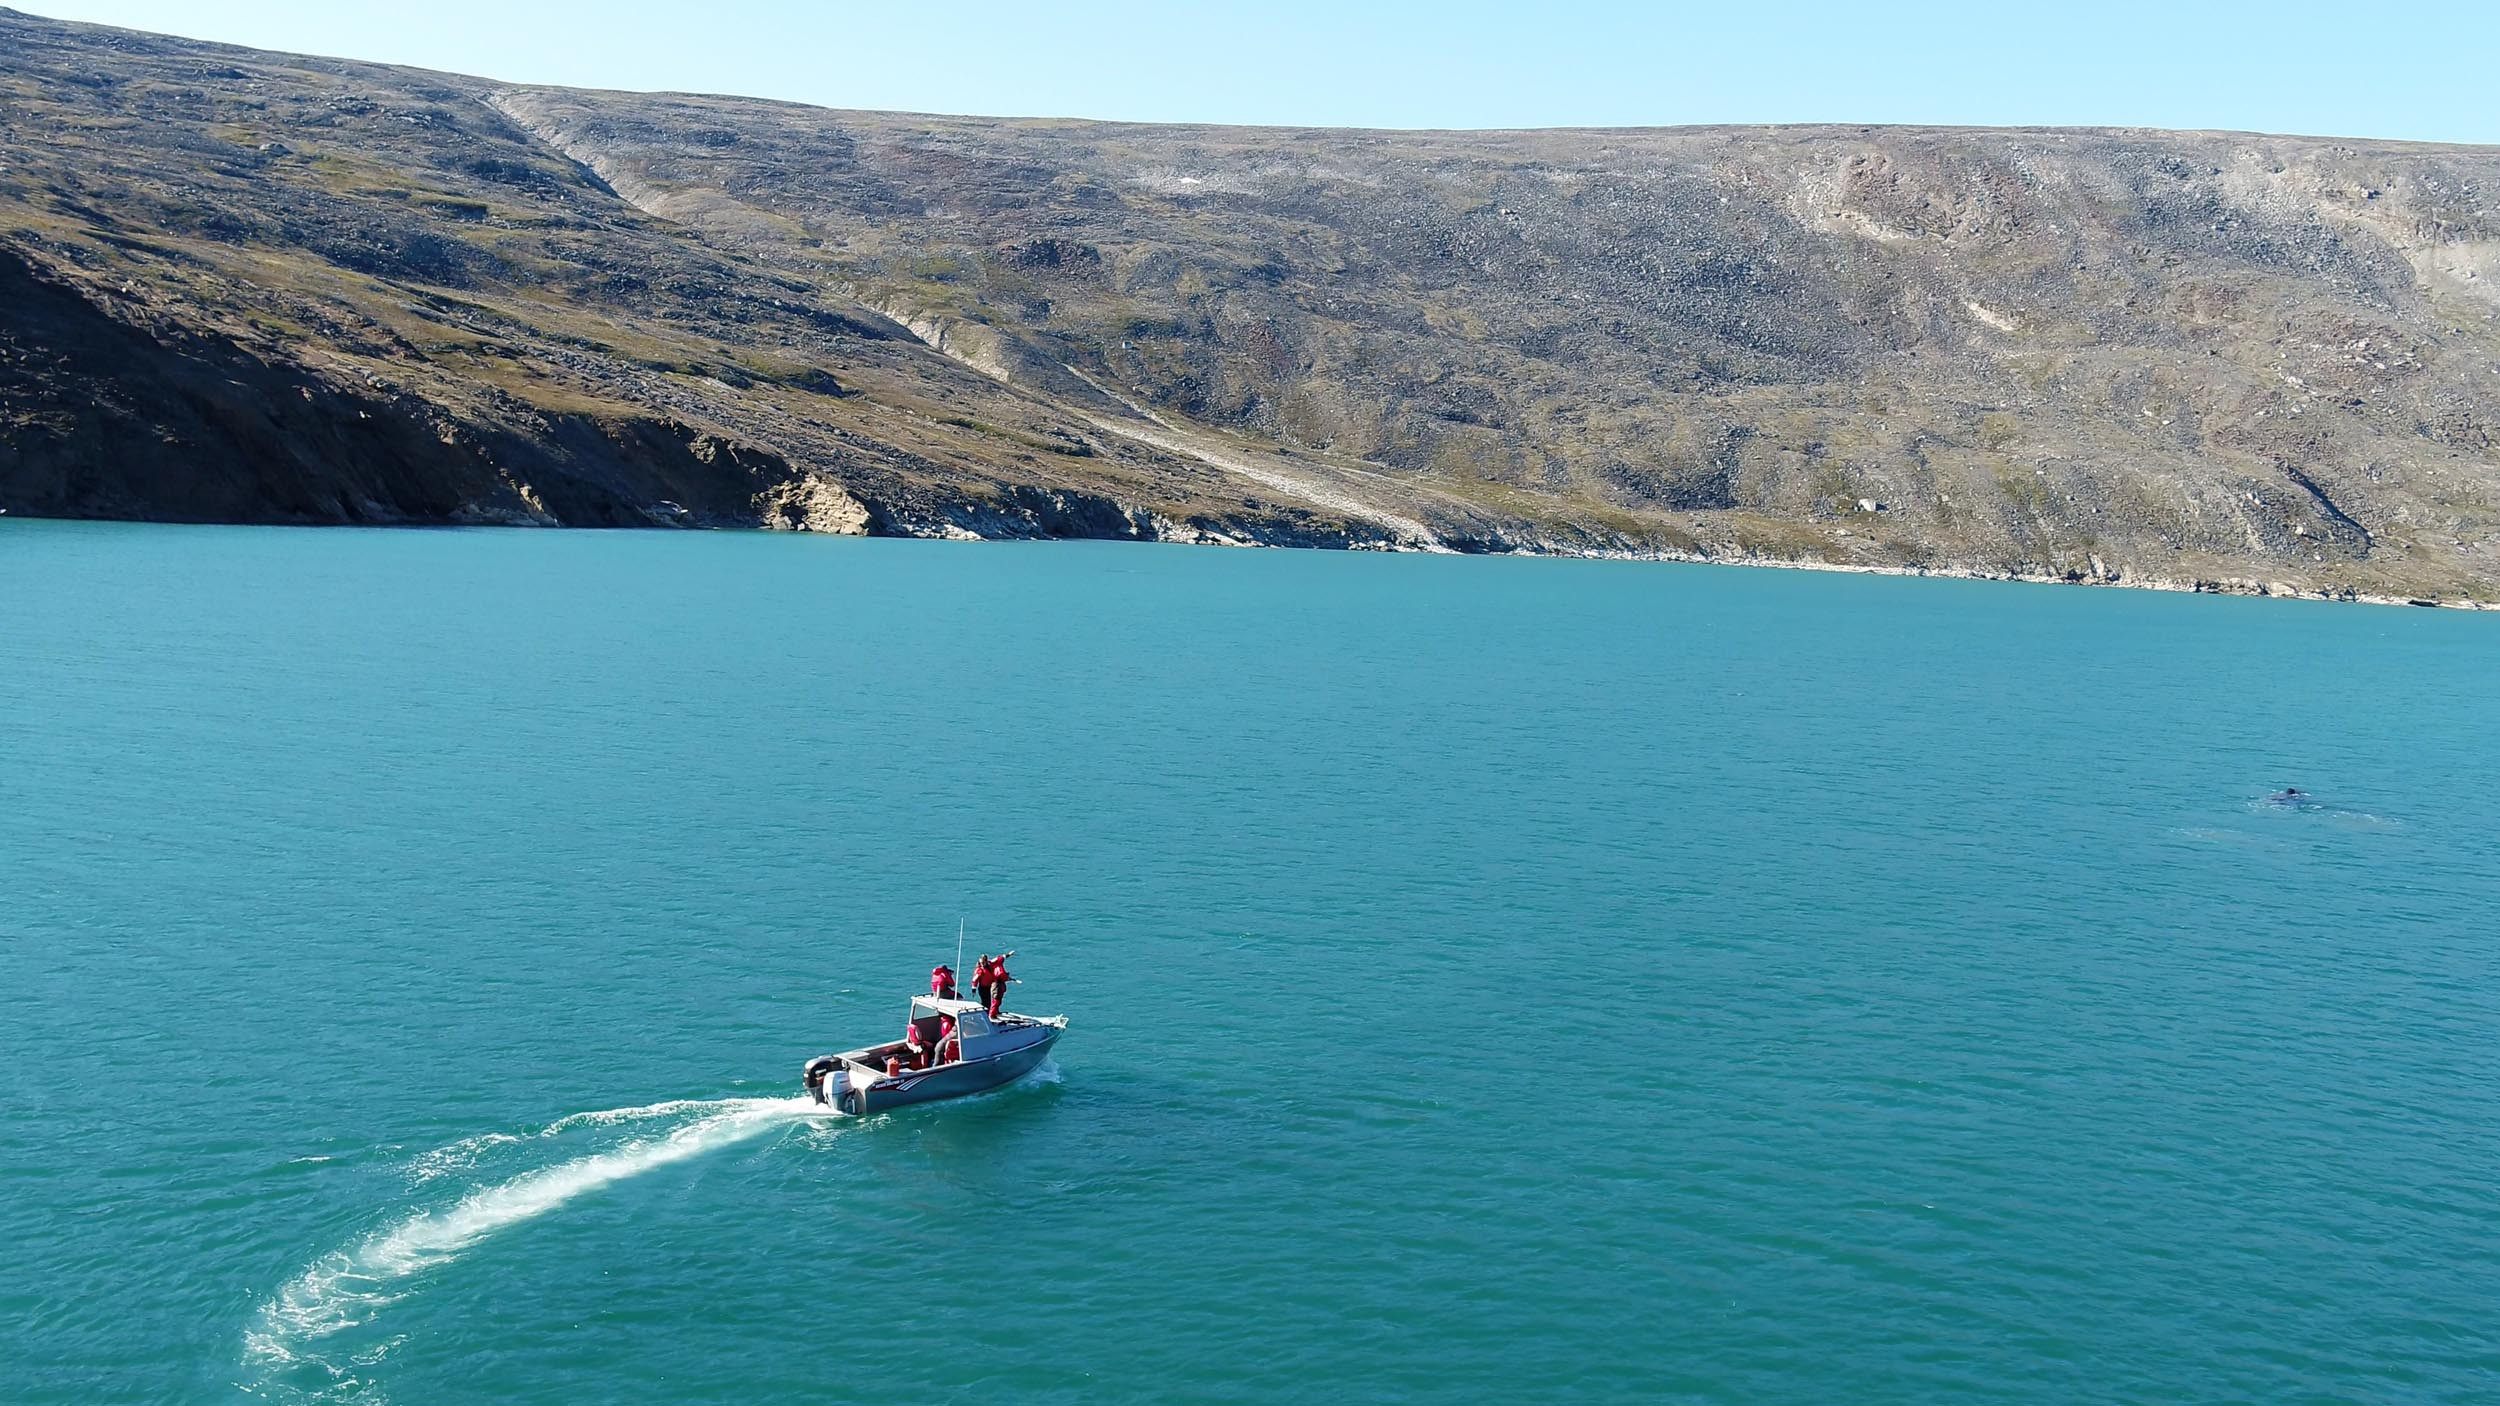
x=998, y=981
x=981, y=979
x=942, y=982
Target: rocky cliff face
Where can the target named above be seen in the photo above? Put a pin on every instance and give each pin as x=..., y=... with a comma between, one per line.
x=2085, y=354
x=250, y=287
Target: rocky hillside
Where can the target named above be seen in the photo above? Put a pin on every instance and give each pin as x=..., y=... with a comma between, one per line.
x=245, y=286
x=249, y=287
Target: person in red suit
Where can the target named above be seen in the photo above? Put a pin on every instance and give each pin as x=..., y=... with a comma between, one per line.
x=998, y=983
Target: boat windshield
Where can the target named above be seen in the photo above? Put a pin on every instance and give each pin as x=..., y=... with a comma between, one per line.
x=972, y=1023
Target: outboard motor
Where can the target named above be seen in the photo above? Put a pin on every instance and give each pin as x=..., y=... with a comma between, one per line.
x=818, y=1077
x=853, y=1099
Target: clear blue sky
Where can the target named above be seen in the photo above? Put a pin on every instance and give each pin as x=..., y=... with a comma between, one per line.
x=2427, y=70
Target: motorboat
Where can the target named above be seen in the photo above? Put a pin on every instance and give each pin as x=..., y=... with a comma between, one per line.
x=993, y=1052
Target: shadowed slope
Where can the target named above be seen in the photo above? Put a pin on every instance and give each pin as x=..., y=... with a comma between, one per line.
x=260, y=288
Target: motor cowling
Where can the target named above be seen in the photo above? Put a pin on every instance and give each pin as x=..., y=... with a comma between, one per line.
x=817, y=1077
x=854, y=1098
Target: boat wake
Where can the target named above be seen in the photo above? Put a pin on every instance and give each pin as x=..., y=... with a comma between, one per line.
x=2287, y=803
x=350, y=1286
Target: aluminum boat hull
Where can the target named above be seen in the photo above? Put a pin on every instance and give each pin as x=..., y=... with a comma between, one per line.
x=955, y=1080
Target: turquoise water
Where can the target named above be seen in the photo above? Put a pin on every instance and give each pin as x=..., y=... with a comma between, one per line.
x=1490, y=980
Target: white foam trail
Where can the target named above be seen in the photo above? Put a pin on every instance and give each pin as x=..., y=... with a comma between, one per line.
x=462, y=1155
x=347, y=1287
x=604, y=1117
x=458, y=1157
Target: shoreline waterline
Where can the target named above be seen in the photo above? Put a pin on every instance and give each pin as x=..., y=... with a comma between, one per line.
x=2237, y=586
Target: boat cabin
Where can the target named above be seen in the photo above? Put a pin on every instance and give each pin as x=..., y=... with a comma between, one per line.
x=977, y=1036
x=973, y=1029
